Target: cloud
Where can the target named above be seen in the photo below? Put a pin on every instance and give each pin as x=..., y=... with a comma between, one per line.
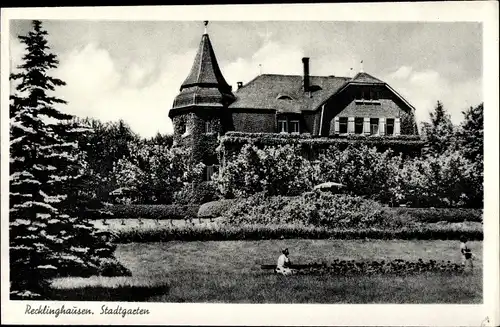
x=425, y=87
x=274, y=58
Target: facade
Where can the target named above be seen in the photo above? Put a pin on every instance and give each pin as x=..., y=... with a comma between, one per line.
x=323, y=106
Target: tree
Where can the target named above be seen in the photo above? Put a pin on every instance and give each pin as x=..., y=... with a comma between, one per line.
x=48, y=236
x=439, y=133
x=471, y=133
x=471, y=140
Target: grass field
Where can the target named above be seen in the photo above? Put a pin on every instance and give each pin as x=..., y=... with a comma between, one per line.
x=229, y=271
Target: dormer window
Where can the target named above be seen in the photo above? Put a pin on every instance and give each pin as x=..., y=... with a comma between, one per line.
x=284, y=97
x=366, y=96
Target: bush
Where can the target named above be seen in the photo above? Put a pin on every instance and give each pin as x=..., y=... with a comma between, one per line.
x=433, y=215
x=197, y=193
x=313, y=209
x=172, y=211
x=224, y=232
x=113, y=268
x=215, y=209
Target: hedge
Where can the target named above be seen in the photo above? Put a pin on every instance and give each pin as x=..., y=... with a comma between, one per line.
x=159, y=211
x=433, y=215
x=219, y=232
x=215, y=209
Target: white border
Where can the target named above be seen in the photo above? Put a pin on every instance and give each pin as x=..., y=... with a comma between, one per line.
x=297, y=314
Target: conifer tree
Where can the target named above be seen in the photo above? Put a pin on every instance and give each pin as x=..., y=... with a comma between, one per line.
x=48, y=235
x=439, y=134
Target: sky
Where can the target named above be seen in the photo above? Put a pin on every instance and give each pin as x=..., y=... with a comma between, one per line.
x=132, y=70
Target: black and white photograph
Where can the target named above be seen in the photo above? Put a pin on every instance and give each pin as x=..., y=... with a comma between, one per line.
x=153, y=163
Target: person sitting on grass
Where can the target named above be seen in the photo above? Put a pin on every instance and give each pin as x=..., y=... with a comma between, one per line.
x=466, y=253
x=283, y=266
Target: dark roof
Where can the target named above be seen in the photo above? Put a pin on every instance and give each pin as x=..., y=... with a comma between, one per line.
x=205, y=70
x=204, y=85
x=363, y=77
x=263, y=92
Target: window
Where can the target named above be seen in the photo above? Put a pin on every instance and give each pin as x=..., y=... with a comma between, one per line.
x=182, y=128
x=374, y=126
x=209, y=171
x=358, y=125
x=389, y=128
x=343, y=125
x=210, y=126
x=282, y=126
x=294, y=126
x=359, y=94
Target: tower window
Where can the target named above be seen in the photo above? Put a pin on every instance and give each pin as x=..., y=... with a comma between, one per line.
x=181, y=127
x=209, y=126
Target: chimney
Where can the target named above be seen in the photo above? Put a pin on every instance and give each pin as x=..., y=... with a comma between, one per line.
x=240, y=84
x=305, y=61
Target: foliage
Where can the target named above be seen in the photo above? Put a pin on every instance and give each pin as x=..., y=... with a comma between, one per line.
x=172, y=211
x=399, y=267
x=153, y=174
x=364, y=171
x=48, y=234
x=471, y=133
x=440, y=180
x=259, y=231
x=445, y=180
x=312, y=209
x=215, y=209
x=272, y=170
x=439, y=134
x=434, y=215
x=196, y=192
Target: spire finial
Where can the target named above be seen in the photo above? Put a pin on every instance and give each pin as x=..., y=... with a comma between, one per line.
x=205, y=23
x=361, y=69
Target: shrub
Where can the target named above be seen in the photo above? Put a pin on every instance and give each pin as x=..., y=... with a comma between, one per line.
x=225, y=232
x=172, y=211
x=272, y=170
x=433, y=215
x=197, y=193
x=113, y=268
x=313, y=208
x=215, y=209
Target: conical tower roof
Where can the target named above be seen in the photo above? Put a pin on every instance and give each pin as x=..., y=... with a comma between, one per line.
x=205, y=85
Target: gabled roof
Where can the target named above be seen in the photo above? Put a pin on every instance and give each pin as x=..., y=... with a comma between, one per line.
x=363, y=77
x=263, y=92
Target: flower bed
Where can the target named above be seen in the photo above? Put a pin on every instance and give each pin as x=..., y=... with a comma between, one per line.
x=398, y=266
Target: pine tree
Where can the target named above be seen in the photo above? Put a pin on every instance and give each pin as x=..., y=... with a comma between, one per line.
x=471, y=140
x=470, y=134
x=48, y=236
x=439, y=134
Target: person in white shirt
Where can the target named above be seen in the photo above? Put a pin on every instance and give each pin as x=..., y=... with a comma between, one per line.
x=466, y=253
x=283, y=265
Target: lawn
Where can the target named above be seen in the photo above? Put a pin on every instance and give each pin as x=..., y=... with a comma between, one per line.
x=229, y=271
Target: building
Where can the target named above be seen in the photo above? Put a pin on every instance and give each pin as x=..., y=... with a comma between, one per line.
x=323, y=106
